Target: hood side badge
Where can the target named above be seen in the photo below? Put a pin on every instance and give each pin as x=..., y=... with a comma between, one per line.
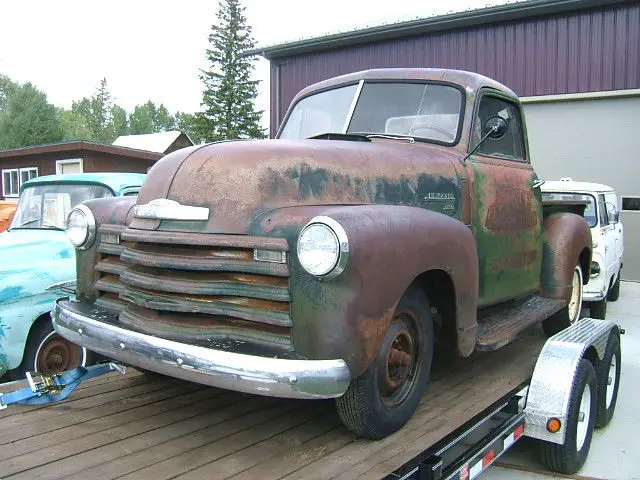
x=165, y=209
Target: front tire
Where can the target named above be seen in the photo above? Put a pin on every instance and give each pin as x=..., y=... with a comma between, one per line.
x=385, y=396
x=48, y=352
x=571, y=312
x=569, y=457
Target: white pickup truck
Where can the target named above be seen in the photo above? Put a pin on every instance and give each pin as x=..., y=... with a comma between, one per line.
x=602, y=215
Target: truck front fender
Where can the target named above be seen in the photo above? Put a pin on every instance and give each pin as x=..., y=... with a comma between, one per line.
x=389, y=247
x=566, y=242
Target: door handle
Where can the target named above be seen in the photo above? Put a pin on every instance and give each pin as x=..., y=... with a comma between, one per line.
x=537, y=183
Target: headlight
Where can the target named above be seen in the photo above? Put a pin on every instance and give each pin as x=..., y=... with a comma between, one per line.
x=323, y=248
x=81, y=227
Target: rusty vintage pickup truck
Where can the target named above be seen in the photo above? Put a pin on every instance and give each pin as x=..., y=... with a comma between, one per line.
x=396, y=209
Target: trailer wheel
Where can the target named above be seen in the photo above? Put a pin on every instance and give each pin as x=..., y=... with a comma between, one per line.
x=569, y=314
x=608, y=381
x=598, y=309
x=569, y=457
x=385, y=396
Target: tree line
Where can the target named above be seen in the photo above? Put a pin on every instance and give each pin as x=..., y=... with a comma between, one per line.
x=227, y=109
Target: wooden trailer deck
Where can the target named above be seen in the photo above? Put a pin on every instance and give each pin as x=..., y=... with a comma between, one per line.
x=132, y=427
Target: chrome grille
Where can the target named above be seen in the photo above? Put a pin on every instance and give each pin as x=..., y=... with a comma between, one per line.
x=208, y=289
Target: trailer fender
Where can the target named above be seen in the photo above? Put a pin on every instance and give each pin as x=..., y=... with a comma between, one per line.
x=389, y=248
x=566, y=242
x=553, y=376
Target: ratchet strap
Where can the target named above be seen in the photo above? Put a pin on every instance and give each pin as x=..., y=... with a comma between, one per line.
x=48, y=388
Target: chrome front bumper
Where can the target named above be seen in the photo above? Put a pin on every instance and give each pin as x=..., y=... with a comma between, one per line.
x=81, y=324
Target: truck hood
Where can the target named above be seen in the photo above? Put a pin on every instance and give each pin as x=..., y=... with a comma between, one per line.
x=32, y=260
x=239, y=181
x=24, y=249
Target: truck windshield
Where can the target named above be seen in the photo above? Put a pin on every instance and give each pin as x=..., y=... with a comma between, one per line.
x=47, y=206
x=424, y=111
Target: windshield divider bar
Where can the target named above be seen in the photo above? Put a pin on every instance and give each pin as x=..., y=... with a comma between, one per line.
x=352, y=108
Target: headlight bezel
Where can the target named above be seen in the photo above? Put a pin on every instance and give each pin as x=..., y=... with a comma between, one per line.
x=342, y=243
x=90, y=235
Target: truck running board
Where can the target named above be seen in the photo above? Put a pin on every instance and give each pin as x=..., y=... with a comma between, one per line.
x=501, y=324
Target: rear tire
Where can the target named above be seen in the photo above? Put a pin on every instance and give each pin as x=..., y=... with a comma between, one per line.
x=569, y=457
x=608, y=374
x=614, y=292
x=598, y=309
x=571, y=312
x=385, y=396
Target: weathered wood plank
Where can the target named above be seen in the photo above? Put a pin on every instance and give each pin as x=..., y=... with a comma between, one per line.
x=135, y=428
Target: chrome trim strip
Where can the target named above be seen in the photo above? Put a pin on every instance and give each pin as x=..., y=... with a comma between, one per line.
x=272, y=377
x=165, y=209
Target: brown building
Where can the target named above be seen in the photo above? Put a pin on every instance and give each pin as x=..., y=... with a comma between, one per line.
x=21, y=164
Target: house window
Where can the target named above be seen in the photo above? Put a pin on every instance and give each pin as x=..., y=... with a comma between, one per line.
x=13, y=178
x=69, y=165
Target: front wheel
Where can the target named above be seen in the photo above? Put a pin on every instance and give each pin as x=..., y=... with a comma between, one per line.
x=385, y=396
x=569, y=314
x=48, y=352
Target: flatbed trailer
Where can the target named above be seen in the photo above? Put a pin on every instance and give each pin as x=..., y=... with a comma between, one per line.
x=133, y=426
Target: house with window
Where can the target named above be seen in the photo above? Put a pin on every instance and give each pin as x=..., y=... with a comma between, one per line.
x=21, y=164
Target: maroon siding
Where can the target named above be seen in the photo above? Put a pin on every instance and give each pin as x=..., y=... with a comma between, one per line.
x=574, y=52
x=100, y=162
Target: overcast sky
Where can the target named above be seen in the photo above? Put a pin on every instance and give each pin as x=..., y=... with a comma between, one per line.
x=150, y=49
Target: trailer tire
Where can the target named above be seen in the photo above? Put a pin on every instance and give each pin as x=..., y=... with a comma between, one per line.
x=385, y=396
x=598, y=309
x=569, y=313
x=569, y=457
x=608, y=374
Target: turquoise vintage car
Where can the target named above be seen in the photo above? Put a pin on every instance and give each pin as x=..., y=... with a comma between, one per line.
x=37, y=266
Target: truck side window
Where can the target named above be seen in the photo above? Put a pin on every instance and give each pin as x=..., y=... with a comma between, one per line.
x=602, y=211
x=511, y=144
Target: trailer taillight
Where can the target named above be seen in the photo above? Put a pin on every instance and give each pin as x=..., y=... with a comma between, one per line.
x=553, y=425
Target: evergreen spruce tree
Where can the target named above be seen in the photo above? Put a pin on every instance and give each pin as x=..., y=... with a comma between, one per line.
x=228, y=109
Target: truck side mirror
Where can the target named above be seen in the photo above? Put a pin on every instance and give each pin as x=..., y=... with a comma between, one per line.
x=496, y=127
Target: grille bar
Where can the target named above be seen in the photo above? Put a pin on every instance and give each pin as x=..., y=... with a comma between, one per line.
x=195, y=258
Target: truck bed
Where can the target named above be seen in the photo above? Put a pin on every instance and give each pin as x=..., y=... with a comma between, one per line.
x=130, y=426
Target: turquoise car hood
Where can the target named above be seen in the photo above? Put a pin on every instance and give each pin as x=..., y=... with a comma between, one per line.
x=32, y=260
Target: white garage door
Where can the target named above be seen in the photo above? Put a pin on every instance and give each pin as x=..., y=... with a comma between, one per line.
x=593, y=140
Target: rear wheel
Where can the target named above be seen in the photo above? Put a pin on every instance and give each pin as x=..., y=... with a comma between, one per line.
x=614, y=292
x=571, y=312
x=569, y=457
x=598, y=309
x=385, y=396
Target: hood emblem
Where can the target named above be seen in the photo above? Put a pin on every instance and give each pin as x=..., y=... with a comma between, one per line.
x=165, y=209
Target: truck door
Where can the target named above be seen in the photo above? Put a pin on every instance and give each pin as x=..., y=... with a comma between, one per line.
x=507, y=204
x=613, y=212
x=607, y=234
